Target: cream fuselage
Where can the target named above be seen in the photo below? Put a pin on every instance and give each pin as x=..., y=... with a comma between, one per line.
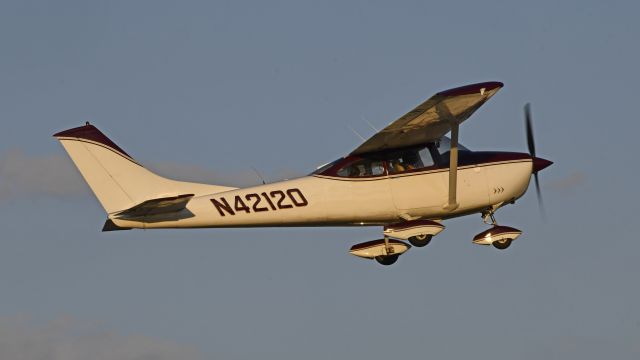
x=321, y=200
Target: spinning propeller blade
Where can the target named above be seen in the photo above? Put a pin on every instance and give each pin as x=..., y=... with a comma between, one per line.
x=538, y=164
x=527, y=120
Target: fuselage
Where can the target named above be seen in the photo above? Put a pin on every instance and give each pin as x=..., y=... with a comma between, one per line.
x=407, y=177
x=354, y=191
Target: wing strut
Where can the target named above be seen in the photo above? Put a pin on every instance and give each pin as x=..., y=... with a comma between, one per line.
x=452, y=203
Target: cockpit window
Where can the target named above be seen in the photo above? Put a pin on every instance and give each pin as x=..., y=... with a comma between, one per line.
x=362, y=167
x=410, y=159
x=430, y=155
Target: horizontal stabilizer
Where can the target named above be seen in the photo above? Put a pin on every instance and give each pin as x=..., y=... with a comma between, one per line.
x=109, y=225
x=157, y=206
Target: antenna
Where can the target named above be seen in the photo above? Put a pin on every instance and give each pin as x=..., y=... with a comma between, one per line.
x=367, y=121
x=259, y=176
x=355, y=132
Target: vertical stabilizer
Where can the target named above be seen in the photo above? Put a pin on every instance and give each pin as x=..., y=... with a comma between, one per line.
x=118, y=181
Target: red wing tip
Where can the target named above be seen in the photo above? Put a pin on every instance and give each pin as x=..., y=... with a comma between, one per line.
x=472, y=88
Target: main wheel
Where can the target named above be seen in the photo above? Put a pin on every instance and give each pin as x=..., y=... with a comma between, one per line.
x=387, y=259
x=502, y=244
x=420, y=240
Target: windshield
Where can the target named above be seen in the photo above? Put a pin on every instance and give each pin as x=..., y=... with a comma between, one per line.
x=444, y=145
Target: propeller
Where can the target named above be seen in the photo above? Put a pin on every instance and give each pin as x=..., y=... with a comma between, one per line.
x=532, y=151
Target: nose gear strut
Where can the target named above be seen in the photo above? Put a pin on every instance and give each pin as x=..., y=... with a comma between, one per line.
x=498, y=236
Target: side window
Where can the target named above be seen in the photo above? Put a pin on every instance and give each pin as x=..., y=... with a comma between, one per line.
x=410, y=160
x=363, y=167
x=425, y=157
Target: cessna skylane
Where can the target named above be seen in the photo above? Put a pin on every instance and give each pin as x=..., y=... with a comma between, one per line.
x=407, y=178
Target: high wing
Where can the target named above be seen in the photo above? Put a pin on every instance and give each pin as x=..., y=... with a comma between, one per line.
x=432, y=119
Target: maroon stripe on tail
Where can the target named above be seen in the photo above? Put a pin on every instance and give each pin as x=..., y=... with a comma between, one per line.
x=90, y=132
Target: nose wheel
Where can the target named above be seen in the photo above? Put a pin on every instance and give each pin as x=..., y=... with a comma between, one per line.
x=502, y=243
x=499, y=236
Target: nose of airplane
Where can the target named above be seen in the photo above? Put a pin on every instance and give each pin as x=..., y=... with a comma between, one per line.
x=540, y=164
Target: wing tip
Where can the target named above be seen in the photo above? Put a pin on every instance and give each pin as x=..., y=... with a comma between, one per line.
x=472, y=88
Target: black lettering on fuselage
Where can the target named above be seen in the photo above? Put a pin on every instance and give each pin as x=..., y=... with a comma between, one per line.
x=277, y=200
x=224, y=205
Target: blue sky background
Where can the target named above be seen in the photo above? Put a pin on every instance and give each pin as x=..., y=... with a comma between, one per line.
x=205, y=90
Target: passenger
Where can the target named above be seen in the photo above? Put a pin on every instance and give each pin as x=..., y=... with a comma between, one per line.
x=411, y=161
x=367, y=170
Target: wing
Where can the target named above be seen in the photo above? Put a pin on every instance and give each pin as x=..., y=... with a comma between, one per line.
x=432, y=119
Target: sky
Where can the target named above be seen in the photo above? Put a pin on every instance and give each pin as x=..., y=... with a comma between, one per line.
x=208, y=90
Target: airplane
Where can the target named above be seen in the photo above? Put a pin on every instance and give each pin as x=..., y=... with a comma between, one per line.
x=407, y=178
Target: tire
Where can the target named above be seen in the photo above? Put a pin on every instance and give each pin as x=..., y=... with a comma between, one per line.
x=420, y=240
x=387, y=260
x=502, y=244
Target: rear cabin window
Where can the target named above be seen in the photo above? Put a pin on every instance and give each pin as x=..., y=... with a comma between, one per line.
x=362, y=168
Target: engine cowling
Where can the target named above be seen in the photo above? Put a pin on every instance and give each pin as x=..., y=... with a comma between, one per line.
x=371, y=249
x=406, y=229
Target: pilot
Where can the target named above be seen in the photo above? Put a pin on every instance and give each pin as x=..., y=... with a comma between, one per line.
x=397, y=166
x=354, y=171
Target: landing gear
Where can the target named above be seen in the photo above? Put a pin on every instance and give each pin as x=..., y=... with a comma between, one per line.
x=385, y=251
x=387, y=259
x=499, y=236
x=502, y=244
x=488, y=215
x=390, y=256
x=420, y=240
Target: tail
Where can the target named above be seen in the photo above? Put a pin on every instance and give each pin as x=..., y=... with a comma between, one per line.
x=118, y=181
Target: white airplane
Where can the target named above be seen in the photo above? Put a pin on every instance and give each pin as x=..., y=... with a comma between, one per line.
x=407, y=178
